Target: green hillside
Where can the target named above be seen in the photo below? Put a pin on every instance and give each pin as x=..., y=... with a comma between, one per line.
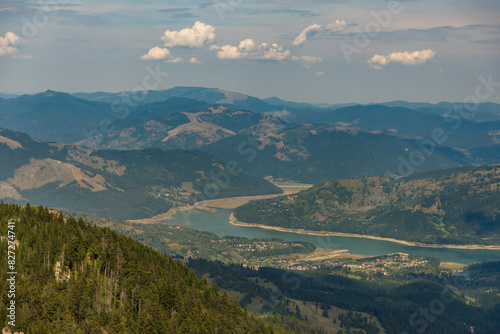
x=16, y=150
x=447, y=207
x=356, y=305
x=313, y=154
x=119, y=184
x=75, y=278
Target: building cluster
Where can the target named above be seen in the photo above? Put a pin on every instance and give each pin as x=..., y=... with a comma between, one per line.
x=381, y=265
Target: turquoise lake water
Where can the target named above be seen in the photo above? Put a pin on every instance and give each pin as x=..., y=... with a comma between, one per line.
x=218, y=223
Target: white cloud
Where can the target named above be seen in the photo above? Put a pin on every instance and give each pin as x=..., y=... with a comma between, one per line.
x=202, y=34
x=247, y=45
x=196, y=37
x=156, y=53
x=272, y=52
x=247, y=49
x=175, y=60
x=194, y=60
x=406, y=58
x=7, y=44
x=309, y=31
x=315, y=29
x=319, y=73
x=229, y=52
x=338, y=25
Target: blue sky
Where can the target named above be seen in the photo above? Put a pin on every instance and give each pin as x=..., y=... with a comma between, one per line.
x=312, y=51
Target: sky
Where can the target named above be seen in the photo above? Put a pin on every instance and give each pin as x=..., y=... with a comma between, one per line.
x=337, y=51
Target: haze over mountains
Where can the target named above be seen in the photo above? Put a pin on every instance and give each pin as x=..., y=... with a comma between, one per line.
x=398, y=117
x=271, y=137
x=405, y=171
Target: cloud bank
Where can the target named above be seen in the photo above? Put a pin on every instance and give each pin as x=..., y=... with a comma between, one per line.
x=405, y=58
x=156, y=53
x=203, y=35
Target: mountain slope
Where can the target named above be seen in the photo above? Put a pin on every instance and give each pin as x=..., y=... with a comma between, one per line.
x=460, y=132
x=390, y=302
x=177, y=123
x=16, y=150
x=118, y=184
x=318, y=153
x=75, y=278
x=485, y=111
x=53, y=116
x=446, y=207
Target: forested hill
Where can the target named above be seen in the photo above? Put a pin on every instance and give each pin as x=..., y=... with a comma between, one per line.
x=75, y=278
x=458, y=206
x=118, y=184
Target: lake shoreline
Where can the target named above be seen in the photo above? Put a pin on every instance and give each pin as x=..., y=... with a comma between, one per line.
x=212, y=205
x=234, y=221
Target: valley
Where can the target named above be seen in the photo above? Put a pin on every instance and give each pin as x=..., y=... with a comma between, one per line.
x=253, y=200
x=250, y=167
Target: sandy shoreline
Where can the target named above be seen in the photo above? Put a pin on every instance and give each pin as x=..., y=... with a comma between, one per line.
x=234, y=221
x=168, y=215
x=212, y=205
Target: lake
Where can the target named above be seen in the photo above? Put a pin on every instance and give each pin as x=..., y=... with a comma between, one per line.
x=218, y=223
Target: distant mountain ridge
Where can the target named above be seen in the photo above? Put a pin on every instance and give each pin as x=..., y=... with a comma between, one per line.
x=8, y=96
x=208, y=95
x=404, y=122
x=38, y=114
x=53, y=116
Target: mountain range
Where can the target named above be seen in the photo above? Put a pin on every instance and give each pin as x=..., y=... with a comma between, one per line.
x=208, y=95
x=301, y=142
x=50, y=116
